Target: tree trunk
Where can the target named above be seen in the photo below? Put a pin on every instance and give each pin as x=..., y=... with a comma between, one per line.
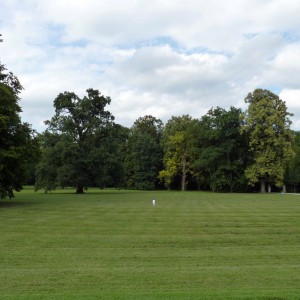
x=269, y=188
x=262, y=186
x=231, y=183
x=284, y=189
x=183, y=180
x=79, y=190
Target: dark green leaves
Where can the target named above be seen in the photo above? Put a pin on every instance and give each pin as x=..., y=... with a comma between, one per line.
x=78, y=143
x=18, y=146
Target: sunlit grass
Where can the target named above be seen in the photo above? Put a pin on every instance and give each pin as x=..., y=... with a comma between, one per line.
x=110, y=244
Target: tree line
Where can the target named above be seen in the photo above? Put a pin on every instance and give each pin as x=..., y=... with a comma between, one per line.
x=223, y=151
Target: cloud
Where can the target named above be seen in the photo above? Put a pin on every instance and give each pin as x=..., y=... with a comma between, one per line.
x=286, y=67
x=163, y=69
x=214, y=24
x=292, y=99
x=155, y=57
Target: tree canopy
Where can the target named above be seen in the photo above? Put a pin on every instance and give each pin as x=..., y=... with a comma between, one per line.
x=144, y=154
x=267, y=124
x=220, y=149
x=293, y=170
x=84, y=145
x=176, y=147
x=19, y=147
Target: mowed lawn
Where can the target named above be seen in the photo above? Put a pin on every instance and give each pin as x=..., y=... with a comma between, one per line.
x=109, y=244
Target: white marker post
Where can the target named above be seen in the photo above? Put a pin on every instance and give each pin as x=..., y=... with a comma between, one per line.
x=153, y=202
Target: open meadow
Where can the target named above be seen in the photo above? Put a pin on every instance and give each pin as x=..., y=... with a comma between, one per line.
x=109, y=244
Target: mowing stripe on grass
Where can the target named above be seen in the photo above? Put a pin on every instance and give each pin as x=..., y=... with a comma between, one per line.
x=116, y=245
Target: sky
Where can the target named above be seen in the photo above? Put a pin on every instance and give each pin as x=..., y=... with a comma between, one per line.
x=161, y=57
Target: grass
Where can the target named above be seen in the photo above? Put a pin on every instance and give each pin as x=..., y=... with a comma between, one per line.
x=115, y=245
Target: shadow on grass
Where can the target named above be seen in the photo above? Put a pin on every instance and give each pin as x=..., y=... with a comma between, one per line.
x=11, y=204
x=93, y=192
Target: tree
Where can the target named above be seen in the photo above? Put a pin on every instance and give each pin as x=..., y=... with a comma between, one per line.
x=117, y=147
x=144, y=154
x=83, y=137
x=176, y=147
x=292, y=177
x=268, y=125
x=18, y=145
x=220, y=149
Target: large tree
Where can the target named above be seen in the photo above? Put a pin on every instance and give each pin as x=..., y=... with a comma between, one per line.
x=84, y=143
x=268, y=126
x=220, y=149
x=176, y=145
x=144, y=154
x=18, y=145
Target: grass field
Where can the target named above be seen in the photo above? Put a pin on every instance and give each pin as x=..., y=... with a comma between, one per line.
x=115, y=245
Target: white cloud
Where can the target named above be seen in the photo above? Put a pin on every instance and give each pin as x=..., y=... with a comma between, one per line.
x=164, y=70
x=286, y=67
x=292, y=99
x=156, y=57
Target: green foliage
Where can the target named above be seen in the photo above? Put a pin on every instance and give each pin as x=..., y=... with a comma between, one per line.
x=177, y=150
x=293, y=172
x=148, y=125
x=81, y=144
x=267, y=124
x=144, y=155
x=19, y=146
x=220, y=149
